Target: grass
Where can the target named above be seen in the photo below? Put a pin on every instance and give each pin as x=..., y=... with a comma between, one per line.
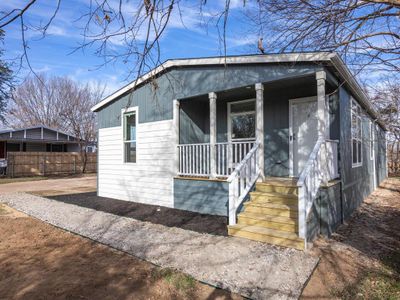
x=2, y=210
x=21, y=179
x=181, y=282
x=383, y=283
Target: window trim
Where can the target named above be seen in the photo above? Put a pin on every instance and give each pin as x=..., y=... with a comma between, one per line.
x=124, y=112
x=357, y=139
x=372, y=136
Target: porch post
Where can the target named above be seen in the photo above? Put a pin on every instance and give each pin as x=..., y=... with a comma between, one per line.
x=175, y=113
x=213, y=134
x=321, y=114
x=260, y=126
x=321, y=77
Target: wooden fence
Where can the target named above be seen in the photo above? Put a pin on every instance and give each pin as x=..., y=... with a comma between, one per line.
x=48, y=163
x=393, y=156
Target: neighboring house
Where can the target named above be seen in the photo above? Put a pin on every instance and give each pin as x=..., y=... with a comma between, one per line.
x=36, y=139
x=285, y=145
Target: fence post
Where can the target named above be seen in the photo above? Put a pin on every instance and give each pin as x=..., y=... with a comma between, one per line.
x=74, y=164
x=44, y=165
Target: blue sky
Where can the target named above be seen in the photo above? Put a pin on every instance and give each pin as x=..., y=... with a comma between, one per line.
x=53, y=54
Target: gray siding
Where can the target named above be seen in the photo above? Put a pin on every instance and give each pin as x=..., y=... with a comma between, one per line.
x=330, y=209
x=357, y=181
x=326, y=212
x=155, y=100
x=35, y=133
x=202, y=196
x=49, y=134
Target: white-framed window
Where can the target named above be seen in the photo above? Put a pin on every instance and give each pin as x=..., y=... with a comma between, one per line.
x=371, y=140
x=129, y=125
x=356, y=134
x=242, y=120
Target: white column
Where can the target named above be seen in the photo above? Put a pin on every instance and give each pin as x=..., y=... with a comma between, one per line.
x=321, y=96
x=213, y=134
x=321, y=114
x=260, y=126
x=175, y=124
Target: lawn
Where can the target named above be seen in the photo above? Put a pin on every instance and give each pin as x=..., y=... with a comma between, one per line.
x=39, y=261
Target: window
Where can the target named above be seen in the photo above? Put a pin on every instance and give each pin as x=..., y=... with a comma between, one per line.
x=129, y=125
x=242, y=120
x=356, y=134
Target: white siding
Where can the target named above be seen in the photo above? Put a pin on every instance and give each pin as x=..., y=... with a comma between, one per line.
x=150, y=179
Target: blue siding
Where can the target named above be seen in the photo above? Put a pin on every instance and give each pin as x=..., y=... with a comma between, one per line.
x=358, y=181
x=202, y=196
x=155, y=99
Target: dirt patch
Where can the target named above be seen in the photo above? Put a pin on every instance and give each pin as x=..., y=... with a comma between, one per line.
x=4, y=180
x=54, y=185
x=362, y=260
x=150, y=213
x=39, y=261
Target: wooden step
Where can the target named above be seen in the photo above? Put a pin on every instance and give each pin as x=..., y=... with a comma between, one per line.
x=273, y=222
x=273, y=209
x=261, y=234
x=290, y=181
x=262, y=197
x=279, y=187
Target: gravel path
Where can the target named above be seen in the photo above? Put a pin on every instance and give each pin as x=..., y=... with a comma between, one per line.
x=253, y=269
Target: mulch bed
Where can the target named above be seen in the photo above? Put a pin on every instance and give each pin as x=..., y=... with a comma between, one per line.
x=170, y=217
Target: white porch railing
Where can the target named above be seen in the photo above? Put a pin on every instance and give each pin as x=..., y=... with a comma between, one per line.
x=241, y=181
x=194, y=159
x=332, y=159
x=321, y=167
x=229, y=155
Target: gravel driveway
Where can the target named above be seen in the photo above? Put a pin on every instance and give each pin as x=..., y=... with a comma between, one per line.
x=253, y=269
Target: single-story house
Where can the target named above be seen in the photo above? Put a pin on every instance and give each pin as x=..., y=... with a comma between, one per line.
x=36, y=139
x=286, y=146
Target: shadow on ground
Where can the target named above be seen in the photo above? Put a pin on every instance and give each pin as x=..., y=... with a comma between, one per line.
x=362, y=259
x=170, y=217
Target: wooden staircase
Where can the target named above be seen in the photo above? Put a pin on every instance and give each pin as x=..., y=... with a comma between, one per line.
x=271, y=214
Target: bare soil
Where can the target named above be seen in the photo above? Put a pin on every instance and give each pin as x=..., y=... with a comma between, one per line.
x=51, y=186
x=39, y=261
x=362, y=260
x=150, y=213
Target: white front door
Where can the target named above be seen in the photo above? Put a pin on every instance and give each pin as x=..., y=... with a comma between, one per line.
x=303, y=132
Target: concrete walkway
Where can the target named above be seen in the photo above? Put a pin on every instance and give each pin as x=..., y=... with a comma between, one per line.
x=253, y=269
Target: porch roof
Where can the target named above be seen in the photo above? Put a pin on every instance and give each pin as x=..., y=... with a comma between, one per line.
x=330, y=58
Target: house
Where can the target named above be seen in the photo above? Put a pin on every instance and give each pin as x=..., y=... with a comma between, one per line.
x=285, y=145
x=36, y=139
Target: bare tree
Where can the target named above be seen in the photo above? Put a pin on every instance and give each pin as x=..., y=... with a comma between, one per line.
x=366, y=33
x=386, y=99
x=57, y=102
x=137, y=26
x=6, y=82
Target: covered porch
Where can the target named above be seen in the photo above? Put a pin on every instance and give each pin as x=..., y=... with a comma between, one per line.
x=216, y=131
x=237, y=137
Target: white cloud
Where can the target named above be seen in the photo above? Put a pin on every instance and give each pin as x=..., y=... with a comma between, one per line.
x=57, y=30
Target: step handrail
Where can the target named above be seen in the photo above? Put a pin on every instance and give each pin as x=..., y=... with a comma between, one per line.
x=310, y=180
x=241, y=181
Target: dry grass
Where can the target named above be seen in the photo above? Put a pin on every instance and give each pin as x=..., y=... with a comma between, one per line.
x=362, y=260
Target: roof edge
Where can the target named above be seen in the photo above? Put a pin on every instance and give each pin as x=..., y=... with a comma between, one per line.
x=221, y=60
